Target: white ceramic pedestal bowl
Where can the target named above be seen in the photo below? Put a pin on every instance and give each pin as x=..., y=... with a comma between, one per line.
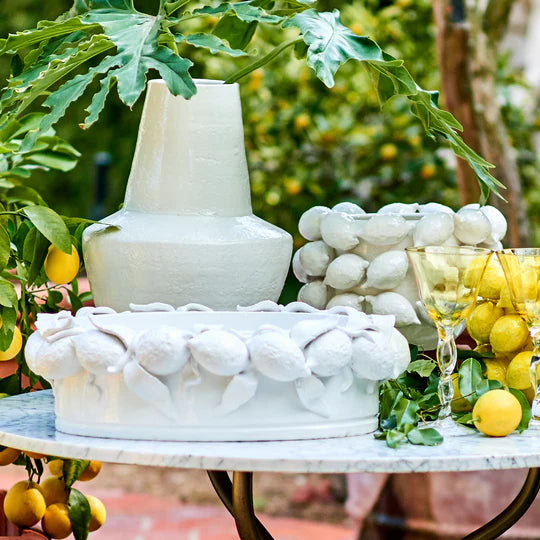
x=216, y=376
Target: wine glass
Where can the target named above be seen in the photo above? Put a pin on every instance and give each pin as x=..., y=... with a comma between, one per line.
x=522, y=268
x=447, y=280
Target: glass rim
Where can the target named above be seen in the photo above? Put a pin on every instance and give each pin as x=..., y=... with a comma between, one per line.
x=530, y=251
x=450, y=250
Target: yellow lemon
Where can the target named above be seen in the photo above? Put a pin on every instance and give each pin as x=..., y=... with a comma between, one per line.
x=497, y=413
x=14, y=347
x=509, y=334
x=56, y=467
x=60, y=267
x=91, y=471
x=24, y=504
x=481, y=321
x=492, y=281
x=473, y=272
x=56, y=522
x=459, y=403
x=9, y=455
x=54, y=490
x=518, y=372
x=388, y=151
x=495, y=370
x=98, y=514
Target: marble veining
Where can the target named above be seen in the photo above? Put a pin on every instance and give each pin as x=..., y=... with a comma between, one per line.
x=27, y=422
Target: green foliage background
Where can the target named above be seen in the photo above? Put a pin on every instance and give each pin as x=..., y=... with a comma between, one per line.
x=306, y=144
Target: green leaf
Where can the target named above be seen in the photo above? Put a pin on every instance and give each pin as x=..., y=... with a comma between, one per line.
x=526, y=412
x=10, y=385
x=135, y=36
x=405, y=412
x=330, y=44
x=213, y=44
x=72, y=469
x=236, y=32
x=35, y=251
x=8, y=296
x=34, y=81
x=58, y=102
x=424, y=368
x=470, y=377
x=51, y=225
x=5, y=248
x=395, y=437
x=171, y=7
x=425, y=436
x=464, y=418
x=79, y=514
x=245, y=11
x=98, y=101
x=30, y=38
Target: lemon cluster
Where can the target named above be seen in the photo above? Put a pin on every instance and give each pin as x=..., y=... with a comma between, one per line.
x=27, y=502
x=497, y=328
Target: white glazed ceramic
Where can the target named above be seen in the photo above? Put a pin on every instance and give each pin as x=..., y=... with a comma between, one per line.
x=376, y=243
x=186, y=230
x=192, y=374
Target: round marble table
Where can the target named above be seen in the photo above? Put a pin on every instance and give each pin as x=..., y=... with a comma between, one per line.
x=27, y=422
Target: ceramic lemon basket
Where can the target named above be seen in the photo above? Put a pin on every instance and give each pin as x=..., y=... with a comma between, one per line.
x=358, y=260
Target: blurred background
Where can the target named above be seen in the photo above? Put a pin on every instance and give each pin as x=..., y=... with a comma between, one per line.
x=308, y=145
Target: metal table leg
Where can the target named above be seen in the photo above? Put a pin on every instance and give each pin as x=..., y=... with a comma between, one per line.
x=237, y=496
x=513, y=512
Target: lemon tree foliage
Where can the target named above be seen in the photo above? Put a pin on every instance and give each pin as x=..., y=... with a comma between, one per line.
x=111, y=41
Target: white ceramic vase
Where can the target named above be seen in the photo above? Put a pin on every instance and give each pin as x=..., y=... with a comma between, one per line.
x=186, y=230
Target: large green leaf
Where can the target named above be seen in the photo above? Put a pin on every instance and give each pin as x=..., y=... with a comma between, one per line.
x=212, y=43
x=331, y=44
x=51, y=225
x=45, y=31
x=135, y=35
x=79, y=514
x=245, y=11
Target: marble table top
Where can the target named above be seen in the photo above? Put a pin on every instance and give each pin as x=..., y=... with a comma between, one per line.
x=27, y=422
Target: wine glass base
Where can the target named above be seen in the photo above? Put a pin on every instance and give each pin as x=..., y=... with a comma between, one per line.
x=534, y=425
x=448, y=428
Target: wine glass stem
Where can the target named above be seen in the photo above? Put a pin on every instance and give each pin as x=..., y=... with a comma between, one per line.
x=446, y=359
x=534, y=372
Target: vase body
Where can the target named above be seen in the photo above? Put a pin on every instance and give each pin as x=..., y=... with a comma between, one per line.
x=186, y=232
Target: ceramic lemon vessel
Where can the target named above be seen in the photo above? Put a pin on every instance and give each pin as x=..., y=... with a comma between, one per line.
x=186, y=232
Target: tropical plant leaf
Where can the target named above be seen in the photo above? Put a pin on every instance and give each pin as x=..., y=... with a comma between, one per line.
x=44, y=32
x=62, y=98
x=245, y=11
x=213, y=44
x=331, y=44
x=135, y=35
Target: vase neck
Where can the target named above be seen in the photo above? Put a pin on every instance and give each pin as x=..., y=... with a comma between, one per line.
x=190, y=157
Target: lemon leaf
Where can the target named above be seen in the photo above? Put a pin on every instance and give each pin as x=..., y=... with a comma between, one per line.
x=470, y=377
x=50, y=225
x=425, y=436
x=526, y=413
x=8, y=296
x=72, y=469
x=395, y=437
x=79, y=514
x=424, y=368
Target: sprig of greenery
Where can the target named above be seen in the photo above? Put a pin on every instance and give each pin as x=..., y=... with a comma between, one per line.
x=118, y=45
x=409, y=401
